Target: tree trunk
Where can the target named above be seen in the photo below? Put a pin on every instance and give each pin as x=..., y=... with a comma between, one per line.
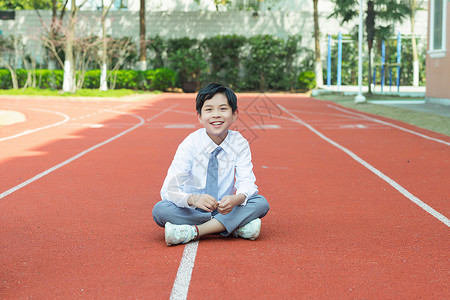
x=142, y=44
x=104, y=67
x=11, y=70
x=69, y=64
x=369, y=79
x=370, y=29
x=68, y=81
x=318, y=70
x=52, y=34
x=413, y=4
x=55, y=27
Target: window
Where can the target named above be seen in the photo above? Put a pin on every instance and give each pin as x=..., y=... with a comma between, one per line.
x=438, y=15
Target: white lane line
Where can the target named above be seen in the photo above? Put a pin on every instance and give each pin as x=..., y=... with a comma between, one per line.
x=48, y=171
x=162, y=112
x=66, y=118
x=390, y=124
x=182, y=280
x=266, y=126
x=56, y=167
x=111, y=109
x=179, y=126
x=394, y=184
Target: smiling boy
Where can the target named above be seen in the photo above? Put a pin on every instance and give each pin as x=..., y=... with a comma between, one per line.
x=210, y=186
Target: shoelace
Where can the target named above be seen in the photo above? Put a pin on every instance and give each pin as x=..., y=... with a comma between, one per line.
x=184, y=233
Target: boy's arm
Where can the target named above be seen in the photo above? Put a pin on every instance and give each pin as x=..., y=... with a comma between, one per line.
x=177, y=175
x=245, y=179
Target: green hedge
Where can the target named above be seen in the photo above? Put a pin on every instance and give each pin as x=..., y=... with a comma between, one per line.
x=307, y=80
x=261, y=62
x=46, y=79
x=257, y=63
x=159, y=79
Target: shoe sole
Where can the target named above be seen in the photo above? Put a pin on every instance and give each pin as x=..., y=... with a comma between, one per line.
x=166, y=231
x=256, y=235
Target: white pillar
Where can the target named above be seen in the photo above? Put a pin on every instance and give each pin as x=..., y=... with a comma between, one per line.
x=68, y=80
x=142, y=65
x=103, y=82
x=360, y=97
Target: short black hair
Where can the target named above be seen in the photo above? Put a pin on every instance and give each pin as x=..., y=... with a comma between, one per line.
x=210, y=90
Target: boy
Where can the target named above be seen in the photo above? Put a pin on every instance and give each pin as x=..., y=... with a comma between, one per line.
x=210, y=186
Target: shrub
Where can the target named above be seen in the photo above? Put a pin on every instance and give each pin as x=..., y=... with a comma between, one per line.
x=5, y=79
x=45, y=79
x=270, y=63
x=307, y=80
x=50, y=79
x=156, y=45
x=224, y=53
x=92, y=79
x=162, y=79
x=188, y=63
x=159, y=79
x=173, y=45
x=127, y=79
x=264, y=64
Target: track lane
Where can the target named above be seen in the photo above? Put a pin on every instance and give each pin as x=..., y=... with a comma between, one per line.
x=72, y=232
x=334, y=230
x=345, y=233
x=419, y=165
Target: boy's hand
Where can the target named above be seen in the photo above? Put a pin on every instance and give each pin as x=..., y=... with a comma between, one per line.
x=206, y=202
x=227, y=203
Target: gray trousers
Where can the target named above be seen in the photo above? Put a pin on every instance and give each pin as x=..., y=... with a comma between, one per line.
x=166, y=211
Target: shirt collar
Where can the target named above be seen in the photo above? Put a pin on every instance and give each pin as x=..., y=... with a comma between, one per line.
x=210, y=146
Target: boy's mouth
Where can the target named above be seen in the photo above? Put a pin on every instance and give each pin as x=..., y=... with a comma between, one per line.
x=217, y=123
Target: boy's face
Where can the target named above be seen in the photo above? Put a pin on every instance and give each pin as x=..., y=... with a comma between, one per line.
x=217, y=116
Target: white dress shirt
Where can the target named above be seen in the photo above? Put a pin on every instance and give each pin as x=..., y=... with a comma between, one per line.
x=187, y=173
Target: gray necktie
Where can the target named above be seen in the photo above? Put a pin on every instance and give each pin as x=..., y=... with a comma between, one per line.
x=212, y=175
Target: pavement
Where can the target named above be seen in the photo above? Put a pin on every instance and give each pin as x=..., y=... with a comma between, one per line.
x=11, y=117
x=420, y=105
x=8, y=117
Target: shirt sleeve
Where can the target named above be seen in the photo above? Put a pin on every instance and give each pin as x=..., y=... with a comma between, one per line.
x=245, y=179
x=177, y=175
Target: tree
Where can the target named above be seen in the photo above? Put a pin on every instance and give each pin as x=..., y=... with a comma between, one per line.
x=9, y=56
x=69, y=63
x=142, y=41
x=221, y=2
x=318, y=62
x=25, y=4
x=414, y=6
x=118, y=52
x=387, y=11
x=103, y=82
x=53, y=31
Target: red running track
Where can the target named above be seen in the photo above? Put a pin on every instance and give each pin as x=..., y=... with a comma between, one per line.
x=80, y=177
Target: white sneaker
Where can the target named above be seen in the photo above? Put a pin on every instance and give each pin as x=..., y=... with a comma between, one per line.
x=249, y=231
x=177, y=234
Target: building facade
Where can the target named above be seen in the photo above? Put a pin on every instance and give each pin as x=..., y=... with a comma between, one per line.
x=199, y=19
x=438, y=55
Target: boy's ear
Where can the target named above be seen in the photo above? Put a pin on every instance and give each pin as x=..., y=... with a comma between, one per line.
x=235, y=115
x=199, y=116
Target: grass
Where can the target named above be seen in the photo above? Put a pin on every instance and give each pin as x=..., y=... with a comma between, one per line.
x=79, y=93
x=424, y=120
